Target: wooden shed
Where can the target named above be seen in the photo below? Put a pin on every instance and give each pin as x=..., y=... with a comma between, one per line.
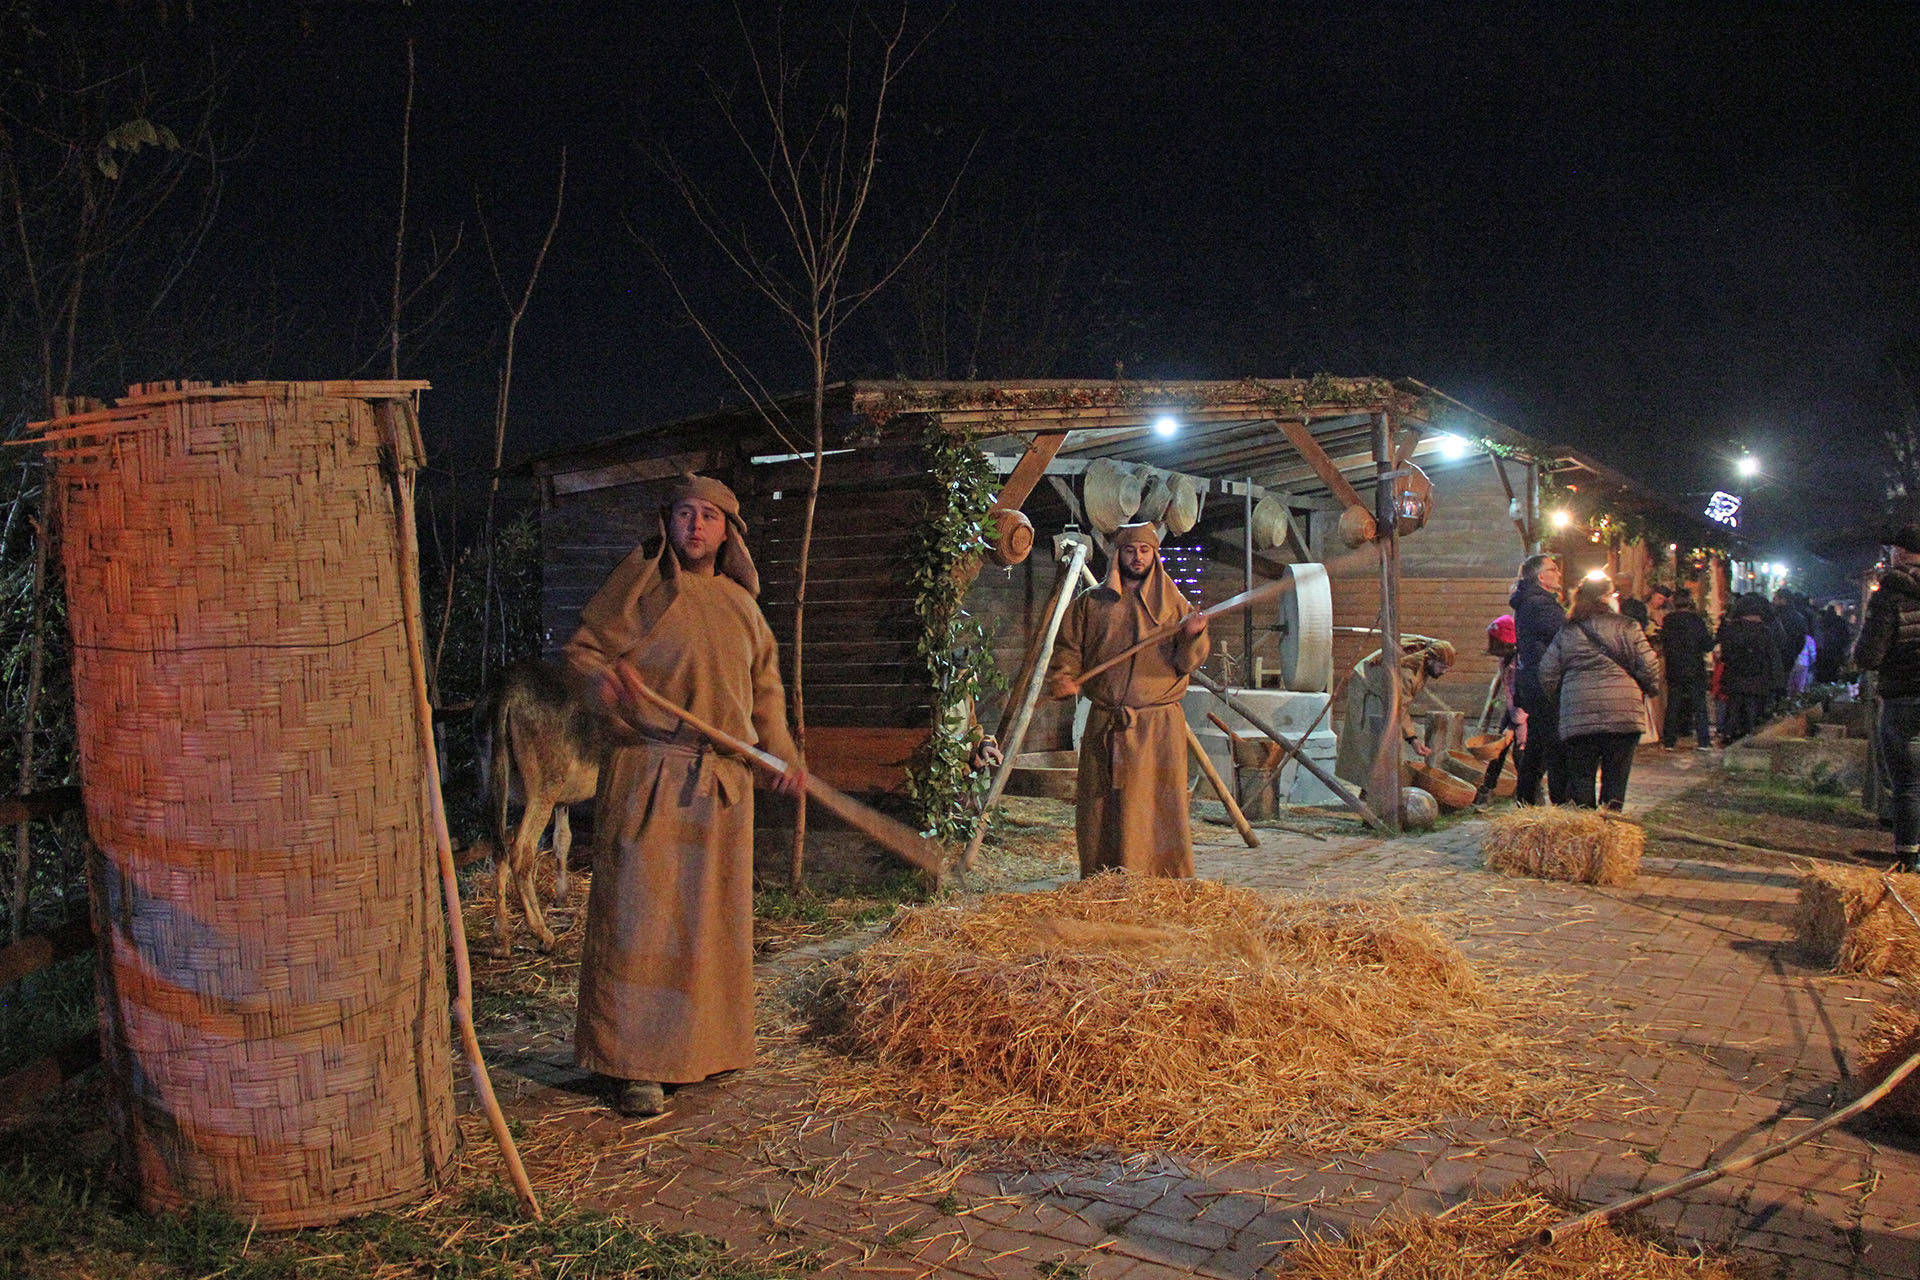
x=1317, y=447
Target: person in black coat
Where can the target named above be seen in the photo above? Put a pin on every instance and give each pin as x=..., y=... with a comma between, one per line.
x=1751, y=672
x=1890, y=644
x=1685, y=643
x=1537, y=618
x=1831, y=639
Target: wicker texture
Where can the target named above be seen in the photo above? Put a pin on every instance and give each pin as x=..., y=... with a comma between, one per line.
x=273, y=982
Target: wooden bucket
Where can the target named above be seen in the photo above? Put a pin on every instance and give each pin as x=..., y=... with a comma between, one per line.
x=272, y=948
x=1453, y=794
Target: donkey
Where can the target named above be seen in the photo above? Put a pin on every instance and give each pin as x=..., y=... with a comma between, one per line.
x=542, y=748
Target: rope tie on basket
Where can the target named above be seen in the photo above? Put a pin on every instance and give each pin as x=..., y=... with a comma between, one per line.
x=234, y=648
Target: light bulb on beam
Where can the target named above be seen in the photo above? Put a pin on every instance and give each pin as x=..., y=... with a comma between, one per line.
x=1167, y=426
x=1748, y=466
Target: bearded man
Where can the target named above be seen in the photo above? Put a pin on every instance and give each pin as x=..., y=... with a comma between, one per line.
x=1131, y=796
x=666, y=969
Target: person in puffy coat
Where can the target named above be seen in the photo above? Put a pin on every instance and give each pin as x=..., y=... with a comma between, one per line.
x=1537, y=616
x=1890, y=644
x=1600, y=667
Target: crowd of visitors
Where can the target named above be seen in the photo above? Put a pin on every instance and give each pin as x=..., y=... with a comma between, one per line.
x=1583, y=687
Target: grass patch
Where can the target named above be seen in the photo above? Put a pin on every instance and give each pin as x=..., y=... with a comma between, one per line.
x=57, y=1219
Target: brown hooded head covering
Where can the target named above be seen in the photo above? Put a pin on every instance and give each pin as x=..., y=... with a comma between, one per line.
x=1162, y=598
x=637, y=592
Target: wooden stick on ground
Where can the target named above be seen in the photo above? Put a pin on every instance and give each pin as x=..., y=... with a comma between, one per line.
x=1574, y=1226
x=896, y=837
x=390, y=414
x=1240, y=822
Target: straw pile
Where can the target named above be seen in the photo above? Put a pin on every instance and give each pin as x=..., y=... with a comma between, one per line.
x=1136, y=1012
x=1563, y=843
x=1892, y=1038
x=1469, y=1242
x=1849, y=921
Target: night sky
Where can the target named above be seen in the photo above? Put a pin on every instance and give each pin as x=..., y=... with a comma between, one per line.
x=1659, y=235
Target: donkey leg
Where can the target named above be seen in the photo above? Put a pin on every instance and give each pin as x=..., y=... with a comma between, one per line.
x=526, y=849
x=502, y=927
x=562, y=845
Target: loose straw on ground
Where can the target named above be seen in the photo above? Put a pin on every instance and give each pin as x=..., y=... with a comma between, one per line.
x=1137, y=1012
x=1469, y=1242
x=391, y=416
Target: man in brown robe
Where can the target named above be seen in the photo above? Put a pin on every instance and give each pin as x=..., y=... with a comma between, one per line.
x=1132, y=788
x=1421, y=658
x=666, y=969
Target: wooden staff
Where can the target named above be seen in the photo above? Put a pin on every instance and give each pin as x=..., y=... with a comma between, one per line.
x=1240, y=822
x=1264, y=591
x=390, y=415
x=896, y=837
x=1574, y=1226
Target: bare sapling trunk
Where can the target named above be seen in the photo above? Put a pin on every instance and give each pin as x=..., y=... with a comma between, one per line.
x=36, y=669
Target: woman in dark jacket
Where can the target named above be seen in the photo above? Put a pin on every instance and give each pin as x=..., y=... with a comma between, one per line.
x=1751, y=659
x=1537, y=616
x=1601, y=667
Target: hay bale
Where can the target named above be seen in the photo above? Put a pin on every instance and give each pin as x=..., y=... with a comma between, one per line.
x=1892, y=1038
x=1849, y=921
x=1137, y=1012
x=1562, y=843
x=1470, y=1240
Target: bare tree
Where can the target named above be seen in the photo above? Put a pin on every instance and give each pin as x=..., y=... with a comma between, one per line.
x=812, y=159
x=515, y=311
x=96, y=165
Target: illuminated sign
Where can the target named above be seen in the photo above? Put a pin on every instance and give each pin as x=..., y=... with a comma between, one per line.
x=1724, y=507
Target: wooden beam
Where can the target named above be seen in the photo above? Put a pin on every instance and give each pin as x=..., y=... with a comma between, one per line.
x=38, y=804
x=1027, y=472
x=37, y=951
x=1519, y=524
x=1316, y=457
x=638, y=471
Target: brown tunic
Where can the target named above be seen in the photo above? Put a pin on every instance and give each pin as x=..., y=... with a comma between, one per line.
x=1131, y=792
x=666, y=970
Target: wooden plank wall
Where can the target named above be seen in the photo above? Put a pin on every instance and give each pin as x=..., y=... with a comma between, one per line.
x=1452, y=609
x=868, y=705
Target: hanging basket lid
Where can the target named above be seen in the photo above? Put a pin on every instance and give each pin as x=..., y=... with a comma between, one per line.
x=1270, y=522
x=1183, y=509
x=1111, y=491
x=1356, y=526
x=1156, y=494
x=1012, y=537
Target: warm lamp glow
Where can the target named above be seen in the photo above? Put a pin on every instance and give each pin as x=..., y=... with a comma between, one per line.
x=1560, y=519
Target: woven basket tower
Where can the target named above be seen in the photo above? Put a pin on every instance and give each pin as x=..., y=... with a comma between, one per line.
x=272, y=979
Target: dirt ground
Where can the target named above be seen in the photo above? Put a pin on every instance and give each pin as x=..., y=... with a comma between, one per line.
x=1767, y=813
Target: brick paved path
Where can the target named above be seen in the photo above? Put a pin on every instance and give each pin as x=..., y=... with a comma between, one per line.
x=1738, y=1043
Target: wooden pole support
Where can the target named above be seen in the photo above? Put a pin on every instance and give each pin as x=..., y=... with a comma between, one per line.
x=390, y=416
x=1212, y=775
x=1076, y=559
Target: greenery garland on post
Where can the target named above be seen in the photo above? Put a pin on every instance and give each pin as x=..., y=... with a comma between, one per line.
x=944, y=786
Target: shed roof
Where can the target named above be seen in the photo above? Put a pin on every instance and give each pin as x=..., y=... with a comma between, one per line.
x=1228, y=430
